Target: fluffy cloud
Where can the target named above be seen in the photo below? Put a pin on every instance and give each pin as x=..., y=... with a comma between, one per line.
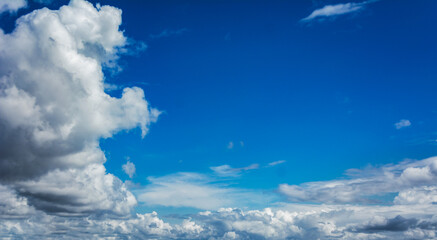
x=53, y=109
x=364, y=185
x=286, y=222
x=335, y=10
x=129, y=168
x=11, y=5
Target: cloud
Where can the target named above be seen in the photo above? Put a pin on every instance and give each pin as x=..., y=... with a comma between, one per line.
x=11, y=6
x=335, y=10
x=228, y=171
x=53, y=109
x=276, y=163
x=285, y=222
x=363, y=186
x=129, y=168
x=402, y=124
x=231, y=144
x=197, y=191
x=168, y=33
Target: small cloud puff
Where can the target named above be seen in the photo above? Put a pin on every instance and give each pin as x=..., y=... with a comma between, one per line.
x=402, y=124
x=129, y=168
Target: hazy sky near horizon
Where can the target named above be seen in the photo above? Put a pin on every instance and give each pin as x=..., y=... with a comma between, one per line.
x=219, y=115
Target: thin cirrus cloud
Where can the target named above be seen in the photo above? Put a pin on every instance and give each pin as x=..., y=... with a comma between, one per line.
x=271, y=164
x=168, y=33
x=228, y=171
x=196, y=190
x=335, y=10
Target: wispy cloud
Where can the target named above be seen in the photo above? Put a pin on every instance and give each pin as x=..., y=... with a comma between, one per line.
x=195, y=190
x=276, y=163
x=365, y=186
x=168, y=33
x=228, y=171
x=230, y=145
x=335, y=10
x=402, y=124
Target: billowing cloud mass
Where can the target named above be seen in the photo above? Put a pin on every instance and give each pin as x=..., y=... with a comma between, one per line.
x=335, y=10
x=289, y=222
x=53, y=109
x=11, y=5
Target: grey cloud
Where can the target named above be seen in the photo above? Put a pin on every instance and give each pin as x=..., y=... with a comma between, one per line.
x=396, y=224
x=310, y=222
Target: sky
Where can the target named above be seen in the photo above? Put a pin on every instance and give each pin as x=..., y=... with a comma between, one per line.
x=218, y=119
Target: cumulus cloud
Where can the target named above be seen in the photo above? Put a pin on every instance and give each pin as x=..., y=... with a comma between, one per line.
x=335, y=10
x=11, y=5
x=402, y=124
x=363, y=186
x=53, y=109
x=228, y=171
x=129, y=168
x=307, y=222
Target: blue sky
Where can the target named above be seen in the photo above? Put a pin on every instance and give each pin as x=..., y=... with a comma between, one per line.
x=262, y=104
x=323, y=96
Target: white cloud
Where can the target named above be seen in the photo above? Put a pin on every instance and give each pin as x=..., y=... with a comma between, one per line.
x=129, y=168
x=228, y=171
x=285, y=222
x=363, y=186
x=11, y=5
x=54, y=110
x=197, y=191
x=335, y=10
x=402, y=123
x=230, y=145
x=276, y=163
